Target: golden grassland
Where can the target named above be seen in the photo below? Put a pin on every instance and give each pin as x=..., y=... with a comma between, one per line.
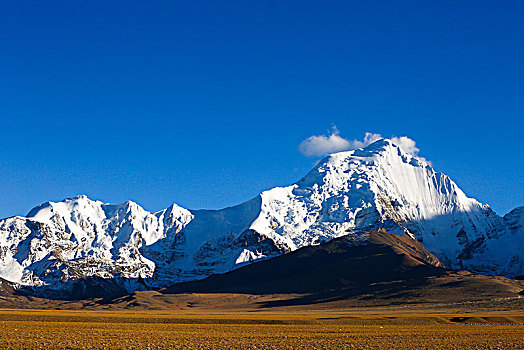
x=358, y=329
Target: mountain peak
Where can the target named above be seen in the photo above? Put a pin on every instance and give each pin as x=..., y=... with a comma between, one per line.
x=380, y=145
x=380, y=149
x=382, y=160
x=79, y=197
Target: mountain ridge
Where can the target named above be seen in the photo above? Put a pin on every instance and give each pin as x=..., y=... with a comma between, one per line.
x=376, y=187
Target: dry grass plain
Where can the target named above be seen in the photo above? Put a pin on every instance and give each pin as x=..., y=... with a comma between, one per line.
x=455, y=311
x=371, y=328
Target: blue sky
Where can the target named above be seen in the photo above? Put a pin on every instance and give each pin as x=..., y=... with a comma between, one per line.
x=205, y=103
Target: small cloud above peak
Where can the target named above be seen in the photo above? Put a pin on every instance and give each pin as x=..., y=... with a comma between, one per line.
x=321, y=145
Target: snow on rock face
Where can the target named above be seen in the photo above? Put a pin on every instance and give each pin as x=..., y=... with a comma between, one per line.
x=377, y=187
x=514, y=243
x=515, y=220
x=381, y=186
x=77, y=238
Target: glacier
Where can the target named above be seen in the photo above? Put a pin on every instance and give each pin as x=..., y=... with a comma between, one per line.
x=378, y=187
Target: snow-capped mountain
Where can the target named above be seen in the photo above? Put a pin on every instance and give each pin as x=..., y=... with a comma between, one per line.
x=347, y=193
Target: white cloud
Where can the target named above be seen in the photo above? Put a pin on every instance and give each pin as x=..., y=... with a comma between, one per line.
x=321, y=145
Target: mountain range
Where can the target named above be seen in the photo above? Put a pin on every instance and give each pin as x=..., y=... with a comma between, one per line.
x=59, y=245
